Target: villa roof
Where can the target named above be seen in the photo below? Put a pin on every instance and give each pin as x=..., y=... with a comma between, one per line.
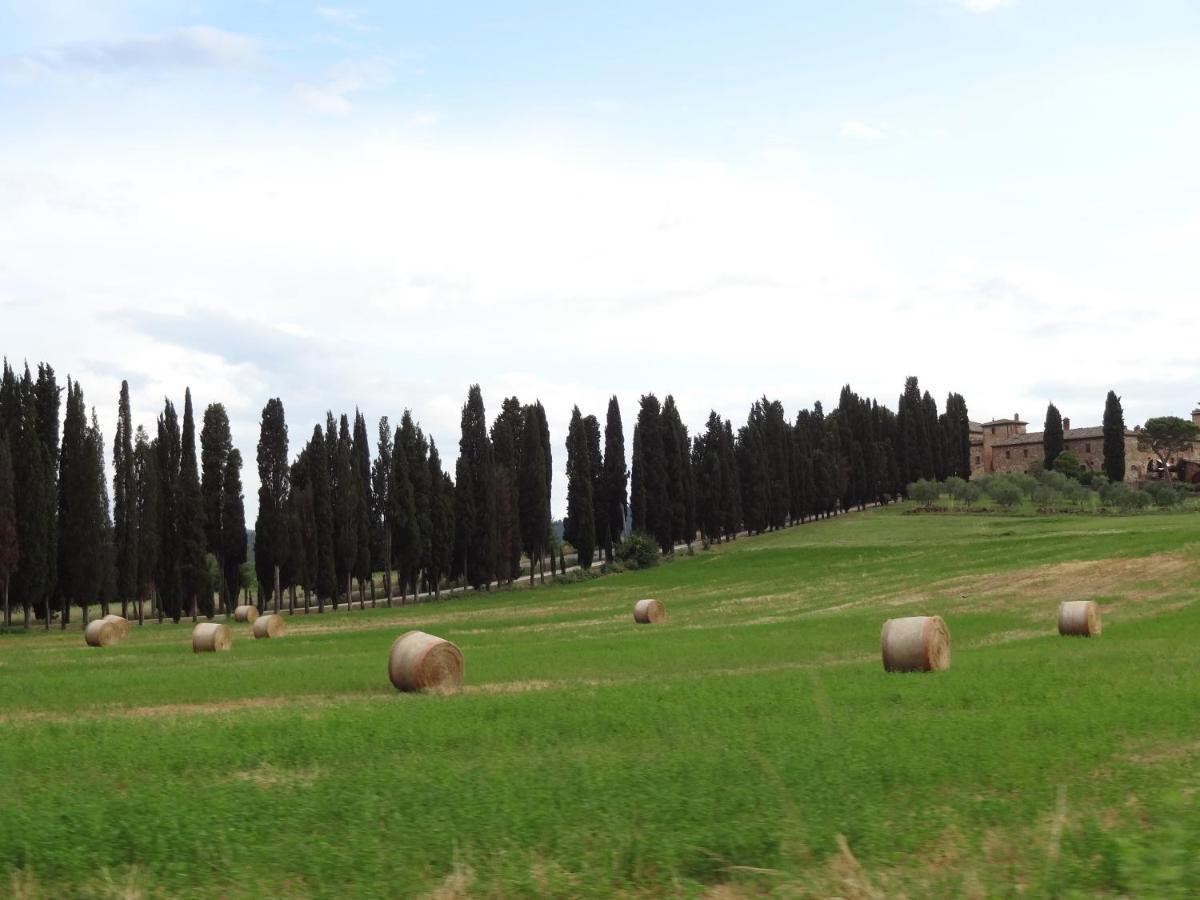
x=1070, y=434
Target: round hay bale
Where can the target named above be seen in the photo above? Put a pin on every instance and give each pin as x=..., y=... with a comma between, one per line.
x=421, y=662
x=915, y=644
x=649, y=612
x=269, y=626
x=1080, y=618
x=101, y=633
x=209, y=637
x=121, y=624
x=245, y=614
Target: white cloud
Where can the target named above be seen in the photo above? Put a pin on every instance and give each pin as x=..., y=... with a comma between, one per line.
x=332, y=96
x=853, y=128
x=344, y=18
x=981, y=6
x=193, y=47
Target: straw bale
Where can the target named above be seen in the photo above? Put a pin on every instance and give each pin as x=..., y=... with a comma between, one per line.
x=420, y=661
x=915, y=644
x=1080, y=618
x=245, y=614
x=209, y=637
x=269, y=626
x=101, y=633
x=649, y=612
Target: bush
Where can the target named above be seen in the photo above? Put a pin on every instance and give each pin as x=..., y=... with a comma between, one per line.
x=1164, y=496
x=971, y=492
x=1046, y=497
x=1067, y=463
x=1027, y=483
x=638, y=551
x=1005, y=492
x=926, y=493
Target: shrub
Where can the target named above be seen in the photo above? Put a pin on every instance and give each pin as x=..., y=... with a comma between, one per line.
x=925, y=492
x=1046, y=497
x=1027, y=483
x=1067, y=463
x=638, y=551
x=971, y=492
x=1005, y=492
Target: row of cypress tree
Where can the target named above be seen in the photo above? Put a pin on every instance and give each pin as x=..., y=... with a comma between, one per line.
x=770, y=473
x=61, y=542
x=334, y=516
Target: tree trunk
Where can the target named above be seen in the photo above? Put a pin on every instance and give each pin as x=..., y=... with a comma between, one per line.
x=349, y=594
x=28, y=610
x=84, y=608
x=193, y=604
x=291, y=600
x=276, y=588
x=7, y=611
x=124, y=607
x=373, y=603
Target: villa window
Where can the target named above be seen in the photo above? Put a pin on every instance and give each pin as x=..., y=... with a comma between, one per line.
x=1026, y=452
x=1008, y=454
x=1087, y=448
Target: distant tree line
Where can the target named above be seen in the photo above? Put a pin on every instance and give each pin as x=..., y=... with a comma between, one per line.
x=174, y=535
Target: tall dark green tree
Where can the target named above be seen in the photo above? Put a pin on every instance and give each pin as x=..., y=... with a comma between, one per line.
x=956, y=437
x=505, y=435
x=318, y=479
x=677, y=459
x=362, y=467
x=441, y=521
x=216, y=443
x=79, y=516
x=464, y=517
x=233, y=528
x=270, y=528
x=46, y=399
x=149, y=542
x=937, y=451
x=1114, y=438
x=533, y=500
x=125, y=519
x=381, y=498
x=651, y=498
x=406, y=531
x=579, y=528
x=193, y=566
x=476, y=449
x=591, y=429
x=10, y=546
x=107, y=584
x=346, y=499
x=615, y=496
x=169, y=579
x=1052, y=436
x=416, y=446
x=709, y=478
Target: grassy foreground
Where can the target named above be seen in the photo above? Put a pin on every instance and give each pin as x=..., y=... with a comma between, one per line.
x=751, y=745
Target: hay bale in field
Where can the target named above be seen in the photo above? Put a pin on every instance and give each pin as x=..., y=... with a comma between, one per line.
x=209, y=637
x=245, y=614
x=269, y=626
x=649, y=612
x=420, y=662
x=915, y=644
x=1080, y=618
x=121, y=624
x=101, y=633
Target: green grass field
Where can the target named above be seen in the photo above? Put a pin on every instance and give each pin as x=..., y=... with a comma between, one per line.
x=752, y=745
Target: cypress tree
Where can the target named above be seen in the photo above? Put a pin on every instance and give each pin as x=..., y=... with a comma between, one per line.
x=406, y=534
x=346, y=498
x=107, y=584
x=731, y=502
x=10, y=547
x=580, y=525
x=233, y=528
x=169, y=580
x=362, y=465
x=318, y=479
x=381, y=497
x=193, y=566
x=270, y=529
x=35, y=499
x=80, y=569
x=532, y=492
x=506, y=431
x=149, y=542
x=417, y=448
x=1052, y=436
x=476, y=449
x=677, y=459
x=464, y=517
x=216, y=444
x=46, y=399
x=125, y=519
x=615, y=495
x=441, y=521
x=934, y=447
x=709, y=478
x=1114, y=438
x=651, y=495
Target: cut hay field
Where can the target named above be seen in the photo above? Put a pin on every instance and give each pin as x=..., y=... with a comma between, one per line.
x=751, y=745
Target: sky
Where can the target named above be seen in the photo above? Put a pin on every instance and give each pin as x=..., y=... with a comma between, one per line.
x=377, y=205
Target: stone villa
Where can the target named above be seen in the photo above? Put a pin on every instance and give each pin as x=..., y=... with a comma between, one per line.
x=1003, y=445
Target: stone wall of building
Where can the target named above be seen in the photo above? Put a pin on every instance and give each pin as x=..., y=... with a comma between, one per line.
x=1089, y=450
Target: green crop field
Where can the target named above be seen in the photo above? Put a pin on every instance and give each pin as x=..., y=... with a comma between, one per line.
x=751, y=745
